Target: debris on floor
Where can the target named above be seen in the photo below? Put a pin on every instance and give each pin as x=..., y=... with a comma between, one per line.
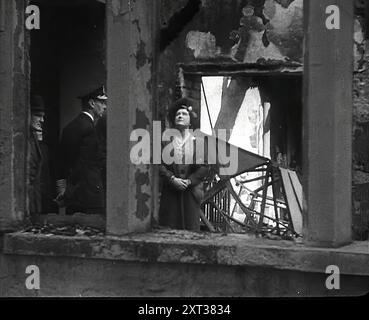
x=65, y=230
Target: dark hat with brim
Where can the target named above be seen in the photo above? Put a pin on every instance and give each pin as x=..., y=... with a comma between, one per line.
x=37, y=104
x=98, y=93
x=183, y=103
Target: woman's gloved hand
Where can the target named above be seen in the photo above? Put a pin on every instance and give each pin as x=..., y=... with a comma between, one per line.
x=180, y=184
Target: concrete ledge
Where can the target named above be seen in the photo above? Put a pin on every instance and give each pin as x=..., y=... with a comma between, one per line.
x=172, y=246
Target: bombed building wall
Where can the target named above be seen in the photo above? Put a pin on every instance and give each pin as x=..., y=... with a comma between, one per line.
x=248, y=31
x=262, y=32
x=232, y=31
x=257, y=36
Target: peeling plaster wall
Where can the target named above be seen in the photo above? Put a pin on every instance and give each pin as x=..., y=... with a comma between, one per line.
x=225, y=31
x=14, y=91
x=142, y=77
x=130, y=63
x=247, y=31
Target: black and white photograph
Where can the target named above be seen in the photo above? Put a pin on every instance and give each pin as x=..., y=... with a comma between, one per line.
x=184, y=149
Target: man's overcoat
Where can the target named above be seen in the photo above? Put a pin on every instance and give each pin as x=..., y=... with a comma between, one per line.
x=80, y=163
x=34, y=182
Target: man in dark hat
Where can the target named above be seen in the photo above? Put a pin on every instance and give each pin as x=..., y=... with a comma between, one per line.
x=79, y=184
x=35, y=158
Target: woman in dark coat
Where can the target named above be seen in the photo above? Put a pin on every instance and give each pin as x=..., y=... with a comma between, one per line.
x=182, y=188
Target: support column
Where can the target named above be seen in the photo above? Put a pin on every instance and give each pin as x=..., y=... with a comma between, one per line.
x=328, y=72
x=14, y=118
x=130, y=56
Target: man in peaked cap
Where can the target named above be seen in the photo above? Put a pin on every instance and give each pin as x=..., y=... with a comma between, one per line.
x=79, y=184
x=98, y=95
x=35, y=154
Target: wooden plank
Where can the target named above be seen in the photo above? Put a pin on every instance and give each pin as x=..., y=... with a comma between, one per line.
x=296, y=186
x=263, y=201
x=275, y=205
x=292, y=201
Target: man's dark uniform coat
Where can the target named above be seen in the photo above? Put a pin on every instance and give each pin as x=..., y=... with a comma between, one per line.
x=80, y=163
x=101, y=138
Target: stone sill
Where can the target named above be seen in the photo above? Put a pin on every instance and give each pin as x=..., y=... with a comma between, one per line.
x=173, y=246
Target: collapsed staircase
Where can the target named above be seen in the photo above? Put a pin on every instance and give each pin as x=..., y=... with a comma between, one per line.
x=279, y=191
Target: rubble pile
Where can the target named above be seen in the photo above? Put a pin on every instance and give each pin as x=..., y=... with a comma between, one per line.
x=65, y=230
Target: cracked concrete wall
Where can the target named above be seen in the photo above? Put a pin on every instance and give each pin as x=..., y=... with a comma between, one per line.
x=176, y=263
x=90, y=277
x=14, y=91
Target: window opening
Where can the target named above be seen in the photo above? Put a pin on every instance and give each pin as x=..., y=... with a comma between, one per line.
x=265, y=115
x=67, y=58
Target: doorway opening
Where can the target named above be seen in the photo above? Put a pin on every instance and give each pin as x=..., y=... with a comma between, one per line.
x=68, y=60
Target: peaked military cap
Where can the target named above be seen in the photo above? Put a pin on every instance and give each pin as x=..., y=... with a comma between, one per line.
x=98, y=93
